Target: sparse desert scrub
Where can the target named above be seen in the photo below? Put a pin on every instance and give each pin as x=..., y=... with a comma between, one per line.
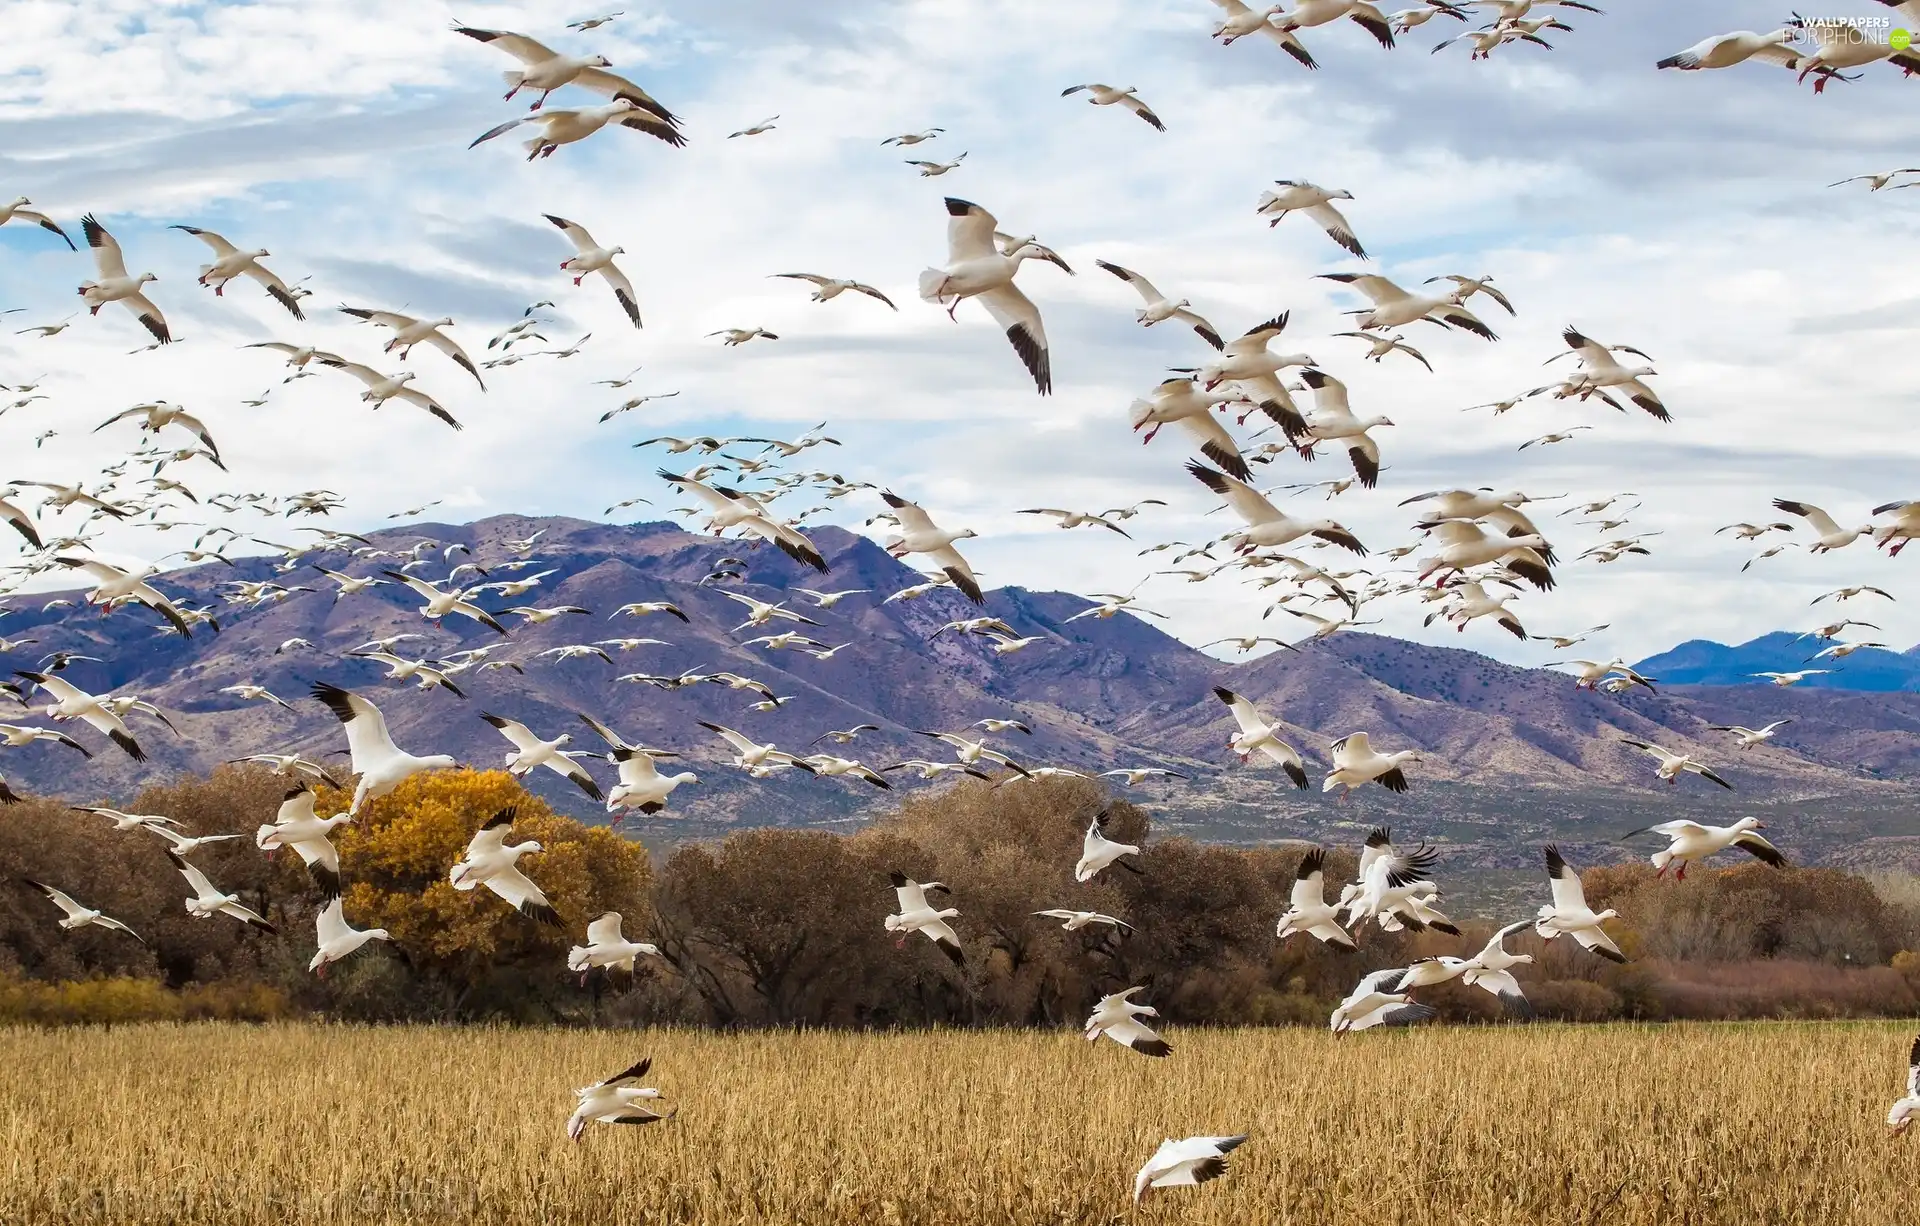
x=282, y=1125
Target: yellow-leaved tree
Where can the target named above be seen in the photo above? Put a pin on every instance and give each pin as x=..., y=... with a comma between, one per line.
x=471, y=952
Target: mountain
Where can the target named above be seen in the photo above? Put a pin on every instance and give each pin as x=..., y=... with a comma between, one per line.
x=1704, y=662
x=1507, y=750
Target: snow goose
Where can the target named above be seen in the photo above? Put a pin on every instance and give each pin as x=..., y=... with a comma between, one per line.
x=1160, y=307
x=1489, y=39
x=22, y=523
x=1355, y=763
x=546, y=71
x=913, y=138
x=1904, y=527
x=1840, y=651
x=1876, y=182
x=1843, y=47
x=1332, y=421
x=1736, y=47
x=617, y=1100
x=730, y=508
x=158, y=416
x=918, y=915
x=530, y=751
x=71, y=702
x=607, y=947
x=1407, y=19
x=1137, y=775
x=1107, y=95
x=1074, y=921
x=1394, y=307
x=1184, y=1164
x=1307, y=14
x=565, y=126
x=1464, y=545
x=590, y=257
x=1471, y=601
x=429, y=676
x=976, y=268
x=15, y=736
x=828, y=288
x=382, y=388
x=1257, y=734
x=338, y=940
x=640, y=608
x=1377, y=1001
x=760, y=612
x=1253, y=368
x=757, y=759
x=1266, y=524
x=1298, y=196
x=1487, y=970
x=296, y=825
x=1691, y=842
x=208, y=901
x=255, y=693
x=126, y=821
x=1599, y=369
x=18, y=211
x=1747, y=738
x=1076, y=519
x=1308, y=910
x=1181, y=401
x=1907, y=1109
x=1568, y=913
x=933, y=770
x=1784, y=680
x=230, y=262
x=1394, y=888
x=971, y=752
x=830, y=766
x=1097, y=851
x=537, y=616
x=441, y=603
x=1241, y=21
x=826, y=600
x=740, y=336
x=1831, y=535
x=408, y=332
x=641, y=786
x=77, y=915
x=919, y=534
x=933, y=170
x=765, y=125
x=1589, y=673
x=381, y=765
x=115, y=285
x=594, y=23
x=1673, y=765
x=1384, y=343
x=1118, y=1018
x=489, y=861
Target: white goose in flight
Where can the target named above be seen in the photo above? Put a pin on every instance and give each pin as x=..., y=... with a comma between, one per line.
x=617, y=1100
x=1691, y=842
x=1394, y=307
x=1257, y=734
x=382, y=388
x=1736, y=47
x=590, y=257
x=1298, y=196
x=1831, y=535
x=1097, y=851
x=530, y=751
x=1569, y=915
x=641, y=785
x=1185, y=1164
x=1074, y=921
x=1600, y=369
x=381, y=765
x=208, y=900
x=489, y=861
x=1159, y=307
x=919, y=915
x=825, y=289
x=976, y=269
x=1307, y=14
x=1241, y=21
x=1355, y=763
x=1746, y=737
x=606, y=947
x=230, y=262
x=1377, y=1000
x=1249, y=364
x=1118, y=1018
x=1181, y=401
x=115, y=285
x=730, y=508
x=1266, y=524
x=566, y=126
x=114, y=587
x=1107, y=95
x=1489, y=970
x=1308, y=910
x=77, y=915
x=296, y=825
x=408, y=332
x=1464, y=545
x=18, y=211
x=547, y=70
x=919, y=534
x=1332, y=421
x=72, y=702
x=757, y=759
x=337, y=939
x=441, y=603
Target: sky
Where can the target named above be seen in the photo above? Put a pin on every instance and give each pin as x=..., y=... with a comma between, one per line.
x=1687, y=214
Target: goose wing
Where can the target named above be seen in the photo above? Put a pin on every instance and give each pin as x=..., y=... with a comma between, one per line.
x=1015, y=312
x=368, y=742
x=519, y=46
x=1248, y=503
x=1568, y=894
x=605, y=930
x=107, y=258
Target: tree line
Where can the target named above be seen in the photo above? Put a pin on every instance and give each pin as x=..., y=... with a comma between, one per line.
x=776, y=926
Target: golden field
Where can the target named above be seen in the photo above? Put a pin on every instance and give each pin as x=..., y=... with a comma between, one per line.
x=289, y=1124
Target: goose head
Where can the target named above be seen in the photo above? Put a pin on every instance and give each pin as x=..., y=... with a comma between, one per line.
x=145, y=277
x=616, y=251
x=1341, y=194
x=20, y=202
x=1749, y=823
x=440, y=761
x=598, y=61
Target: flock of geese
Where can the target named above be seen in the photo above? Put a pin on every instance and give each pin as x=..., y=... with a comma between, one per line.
x=1476, y=551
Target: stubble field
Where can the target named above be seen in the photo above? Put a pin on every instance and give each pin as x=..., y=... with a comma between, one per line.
x=288, y=1125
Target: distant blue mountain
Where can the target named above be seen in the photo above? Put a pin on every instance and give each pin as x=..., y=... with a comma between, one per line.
x=1705, y=662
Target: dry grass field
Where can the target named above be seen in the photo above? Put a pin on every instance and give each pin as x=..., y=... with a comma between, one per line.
x=287, y=1125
